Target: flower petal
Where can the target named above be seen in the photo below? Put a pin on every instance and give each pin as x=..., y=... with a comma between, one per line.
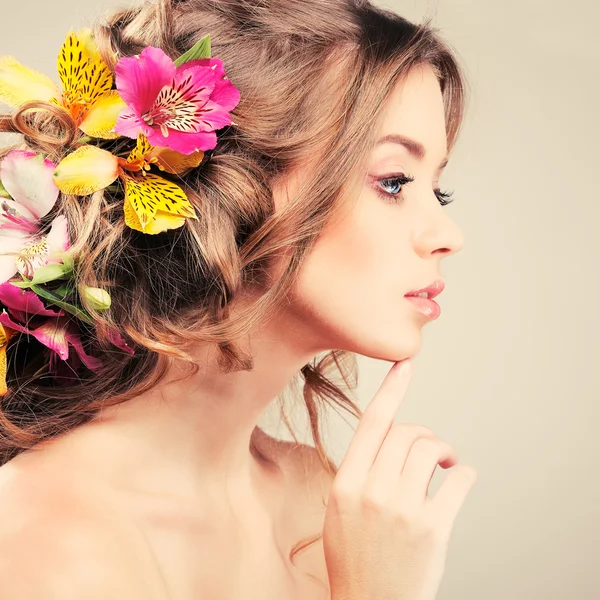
x=91, y=362
x=184, y=143
x=10, y=246
x=225, y=93
x=58, y=236
x=8, y=268
x=86, y=171
x=159, y=223
x=5, y=335
x=116, y=339
x=141, y=150
x=25, y=301
x=215, y=116
x=20, y=84
x=6, y=321
x=191, y=84
x=53, y=334
x=174, y=162
x=101, y=118
x=83, y=73
x=27, y=177
x=140, y=78
x=130, y=124
x=145, y=196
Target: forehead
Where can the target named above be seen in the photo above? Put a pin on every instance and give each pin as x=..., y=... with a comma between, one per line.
x=415, y=109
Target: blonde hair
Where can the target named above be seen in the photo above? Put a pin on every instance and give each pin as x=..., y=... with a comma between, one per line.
x=314, y=76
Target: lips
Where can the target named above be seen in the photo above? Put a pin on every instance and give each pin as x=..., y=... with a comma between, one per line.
x=433, y=290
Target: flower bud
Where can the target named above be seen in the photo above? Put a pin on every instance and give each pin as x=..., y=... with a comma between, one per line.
x=98, y=299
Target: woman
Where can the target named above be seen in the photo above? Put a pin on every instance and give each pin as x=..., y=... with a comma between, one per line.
x=315, y=216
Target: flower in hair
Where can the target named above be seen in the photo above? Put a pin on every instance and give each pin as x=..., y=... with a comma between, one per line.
x=171, y=108
x=5, y=335
x=86, y=86
x=178, y=106
x=152, y=204
x=28, y=194
x=25, y=313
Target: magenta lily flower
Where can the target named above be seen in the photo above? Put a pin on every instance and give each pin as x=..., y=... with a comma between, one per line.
x=55, y=334
x=177, y=107
x=22, y=309
x=28, y=178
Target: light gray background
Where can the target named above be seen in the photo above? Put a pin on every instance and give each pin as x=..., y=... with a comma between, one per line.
x=508, y=375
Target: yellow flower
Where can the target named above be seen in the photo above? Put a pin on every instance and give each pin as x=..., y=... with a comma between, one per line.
x=86, y=86
x=152, y=204
x=5, y=335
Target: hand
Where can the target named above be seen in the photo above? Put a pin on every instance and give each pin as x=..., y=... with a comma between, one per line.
x=383, y=537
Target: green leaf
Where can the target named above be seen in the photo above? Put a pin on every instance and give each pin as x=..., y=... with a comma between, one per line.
x=63, y=290
x=50, y=272
x=201, y=49
x=67, y=260
x=26, y=283
x=42, y=293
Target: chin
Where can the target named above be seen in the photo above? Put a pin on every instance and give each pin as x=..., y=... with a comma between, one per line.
x=405, y=343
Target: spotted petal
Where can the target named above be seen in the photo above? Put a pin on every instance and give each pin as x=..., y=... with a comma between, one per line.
x=86, y=171
x=20, y=84
x=225, y=94
x=166, y=159
x=83, y=73
x=154, y=204
x=160, y=222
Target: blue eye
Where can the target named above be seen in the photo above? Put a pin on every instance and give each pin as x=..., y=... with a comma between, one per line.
x=395, y=184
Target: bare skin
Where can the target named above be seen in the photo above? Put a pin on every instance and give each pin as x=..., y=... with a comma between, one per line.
x=161, y=498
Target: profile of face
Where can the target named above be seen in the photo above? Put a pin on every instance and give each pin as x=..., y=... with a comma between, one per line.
x=350, y=294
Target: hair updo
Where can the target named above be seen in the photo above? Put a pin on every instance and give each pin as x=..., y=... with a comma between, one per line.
x=313, y=77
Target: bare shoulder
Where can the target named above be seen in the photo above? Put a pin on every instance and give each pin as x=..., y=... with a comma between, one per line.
x=309, y=482
x=56, y=542
x=306, y=467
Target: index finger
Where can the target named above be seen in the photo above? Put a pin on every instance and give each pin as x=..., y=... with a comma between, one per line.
x=377, y=419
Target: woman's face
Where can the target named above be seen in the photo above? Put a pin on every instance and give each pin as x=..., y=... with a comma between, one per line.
x=351, y=290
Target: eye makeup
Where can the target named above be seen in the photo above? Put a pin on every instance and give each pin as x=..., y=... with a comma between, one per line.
x=397, y=181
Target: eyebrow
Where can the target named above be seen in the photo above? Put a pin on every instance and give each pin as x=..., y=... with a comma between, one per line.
x=415, y=148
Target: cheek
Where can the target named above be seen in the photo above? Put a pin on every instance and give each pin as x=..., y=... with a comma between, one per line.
x=355, y=265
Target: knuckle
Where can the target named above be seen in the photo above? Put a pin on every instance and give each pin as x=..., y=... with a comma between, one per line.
x=373, y=501
x=342, y=490
x=426, y=446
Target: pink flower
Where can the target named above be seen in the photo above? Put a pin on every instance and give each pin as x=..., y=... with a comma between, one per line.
x=22, y=312
x=56, y=334
x=28, y=179
x=177, y=107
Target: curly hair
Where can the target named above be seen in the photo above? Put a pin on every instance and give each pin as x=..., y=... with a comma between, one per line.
x=314, y=76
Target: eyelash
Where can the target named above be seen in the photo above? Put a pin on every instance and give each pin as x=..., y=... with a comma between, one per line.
x=444, y=198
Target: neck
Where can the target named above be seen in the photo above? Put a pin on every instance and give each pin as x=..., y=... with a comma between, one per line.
x=186, y=434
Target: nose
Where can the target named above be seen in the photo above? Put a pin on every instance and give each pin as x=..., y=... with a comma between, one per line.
x=439, y=234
